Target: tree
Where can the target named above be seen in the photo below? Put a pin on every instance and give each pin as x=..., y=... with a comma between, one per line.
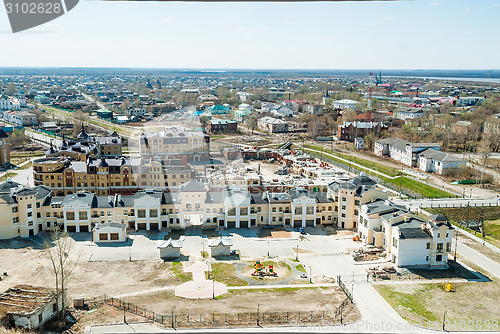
x=485, y=150
x=58, y=251
x=370, y=140
x=18, y=137
x=252, y=122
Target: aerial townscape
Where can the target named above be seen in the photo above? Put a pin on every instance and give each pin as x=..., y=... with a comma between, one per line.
x=251, y=167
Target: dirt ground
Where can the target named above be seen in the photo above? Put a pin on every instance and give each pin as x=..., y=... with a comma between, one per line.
x=245, y=301
x=89, y=278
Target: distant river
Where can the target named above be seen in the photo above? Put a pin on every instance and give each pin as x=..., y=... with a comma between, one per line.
x=491, y=80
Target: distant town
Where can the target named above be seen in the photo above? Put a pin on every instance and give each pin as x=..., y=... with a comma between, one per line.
x=220, y=199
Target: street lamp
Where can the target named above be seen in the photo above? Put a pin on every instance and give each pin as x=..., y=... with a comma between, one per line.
x=173, y=308
x=297, y=254
x=310, y=274
x=203, y=249
x=268, y=249
x=213, y=288
x=258, y=315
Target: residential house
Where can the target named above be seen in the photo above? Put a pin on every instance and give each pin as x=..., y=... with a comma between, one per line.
x=408, y=114
x=109, y=232
x=410, y=241
x=272, y=125
x=438, y=162
x=221, y=126
x=349, y=131
x=402, y=150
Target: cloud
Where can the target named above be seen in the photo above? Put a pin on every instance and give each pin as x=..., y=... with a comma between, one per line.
x=166, y=21
x=467, y=9
x=290, y=23
x=368, y=24
x=435, y=4
x=387, y=18
x=262, y=28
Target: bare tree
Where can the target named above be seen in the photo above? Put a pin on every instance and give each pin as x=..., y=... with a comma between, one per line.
x=485, y=150
x=252, y=122
x=58, y=251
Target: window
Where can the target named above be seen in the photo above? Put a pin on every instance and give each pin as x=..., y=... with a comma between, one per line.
x=439, y=247
x=428, y=245
x=343, y=215
x=114, y=236
x=231, y=212
x=37, y=204
x=29, y=206
x=344, y=199
x=47, y=214
x=439, y=258
x=356, y=202
x=14, y=209
x=309, y=210
x=243, y=211
x=40, y=318
x=103, y=236
x=153, y=213
x=82, y=215
x=427, y=258
x=448, y=246
x=70, y=215
x=343, y=207
x=109, y=212
x=274, y=209
x=439, y=235
x=141, y=213
x=298, y=211
x=15, y=220
x=125, y=211
x=259, y=209
x=395, y=242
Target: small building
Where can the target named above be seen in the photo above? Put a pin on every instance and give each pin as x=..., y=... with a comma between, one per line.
x=105, y=113
x=29, y=307
x=110, y=232
x=220, y=246
x=231, y=153
x=438, y=162
x=359, y=143
x=121, y=119
x=170, y=249
x=50, y=126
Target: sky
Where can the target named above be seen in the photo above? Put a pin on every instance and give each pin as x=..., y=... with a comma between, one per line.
x=420, y=34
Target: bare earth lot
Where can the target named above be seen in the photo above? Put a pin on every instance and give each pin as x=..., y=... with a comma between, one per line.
x=285, y=299
x=25, y=264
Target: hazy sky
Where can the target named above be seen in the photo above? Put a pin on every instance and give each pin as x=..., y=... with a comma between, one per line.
x=420, y=34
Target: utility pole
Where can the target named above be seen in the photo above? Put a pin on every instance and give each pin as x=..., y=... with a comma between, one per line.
x=213, y=288
x=444, y=320
x=456, y=244
x=297, y=254
x=173, y=308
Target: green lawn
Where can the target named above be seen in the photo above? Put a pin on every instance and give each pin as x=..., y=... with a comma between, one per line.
x=423, y=189
x=472, y=302
x=491, y=219
x=178, y=270
x=225, y=273
x=300, y=267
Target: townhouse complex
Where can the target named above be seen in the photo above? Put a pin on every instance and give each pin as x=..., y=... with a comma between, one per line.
x=96, y=164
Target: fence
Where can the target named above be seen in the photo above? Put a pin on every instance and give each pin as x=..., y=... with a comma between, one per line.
x=176, y=320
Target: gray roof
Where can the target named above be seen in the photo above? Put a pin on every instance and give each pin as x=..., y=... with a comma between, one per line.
x=85, y=197
x=192, y=186
x=220, y=241
x=170, y=243
x=396, y=142
x=110, y=224
x=7, y=185
x=440, y=156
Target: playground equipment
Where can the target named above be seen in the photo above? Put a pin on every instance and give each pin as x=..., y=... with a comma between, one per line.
x=447, y=286
x=261, y=270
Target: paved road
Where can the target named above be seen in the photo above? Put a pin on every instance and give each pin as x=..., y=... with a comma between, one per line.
x=479, y=259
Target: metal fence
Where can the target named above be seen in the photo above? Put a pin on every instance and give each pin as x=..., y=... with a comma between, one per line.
x=194, y=320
